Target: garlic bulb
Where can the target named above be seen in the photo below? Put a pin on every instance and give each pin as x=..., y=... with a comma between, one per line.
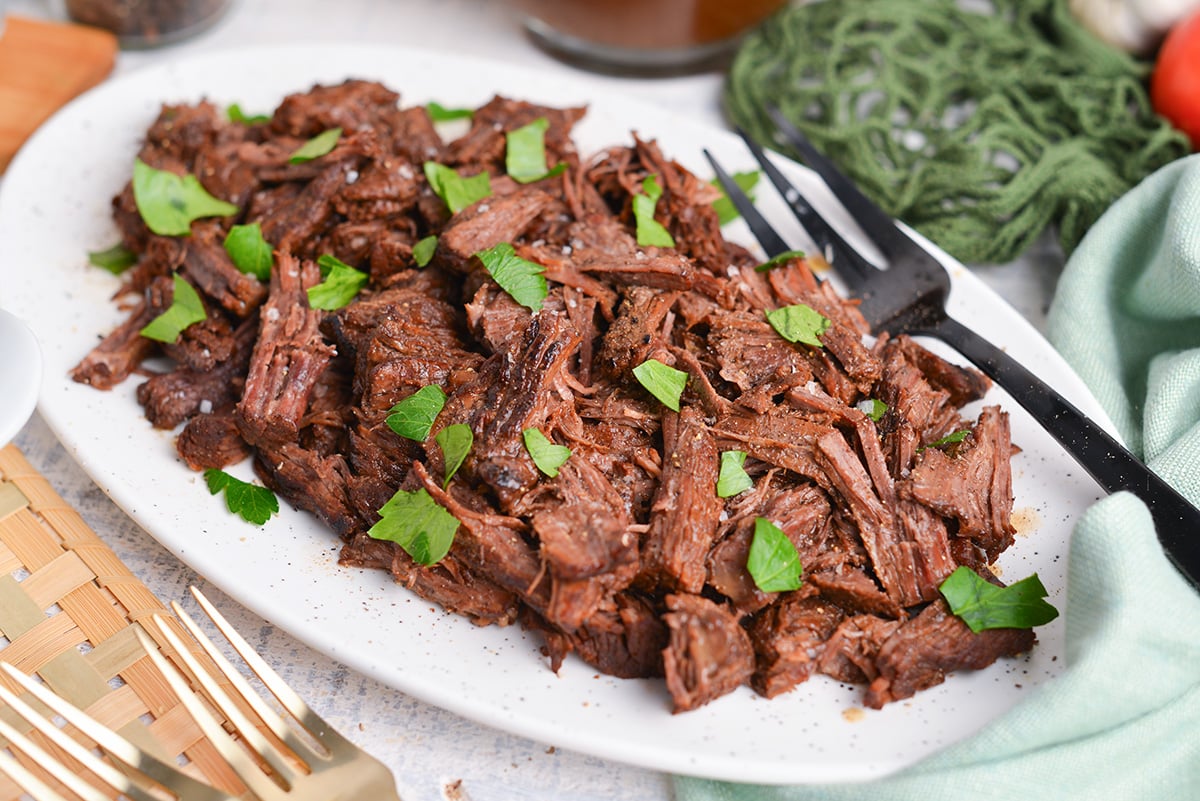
x=1135, y=26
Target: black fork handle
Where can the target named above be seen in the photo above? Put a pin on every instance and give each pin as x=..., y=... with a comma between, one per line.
x=1107, y=461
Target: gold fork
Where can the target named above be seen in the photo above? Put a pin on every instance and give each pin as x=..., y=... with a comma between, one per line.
x=142, y=772
x=315, y=763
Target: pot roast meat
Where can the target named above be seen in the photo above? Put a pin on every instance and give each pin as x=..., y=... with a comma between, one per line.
x=709, y=654
x=627, y=557
x=924, y=649
x=288, y=357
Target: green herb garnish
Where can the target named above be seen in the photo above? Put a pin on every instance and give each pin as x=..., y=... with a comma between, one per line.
x=525, y=153
x=455, y=442
x=723, y=206
x=782, y=258
x=418, y=524
x=439, y=113
x=733, y=479
x=874, y=408
x=649, y=230
x=545, y=454
x=773, y=563
x=116, y=259
x=949, y=439
x=235, y=114
x=663, y=382
x=341, y=283
x=982, y=605
x=169, y=203
x=316, y=147
x=413, y=417
x=799, y=323
x=186, y=308
x=423, y=251
x=252, y=503
x=520, y=278
x=248, y=250
x=457, y=192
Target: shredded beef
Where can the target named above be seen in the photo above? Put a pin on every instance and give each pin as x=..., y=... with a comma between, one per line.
x=624, y=554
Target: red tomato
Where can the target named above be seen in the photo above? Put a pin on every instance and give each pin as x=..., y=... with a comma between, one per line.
x=1175, y=85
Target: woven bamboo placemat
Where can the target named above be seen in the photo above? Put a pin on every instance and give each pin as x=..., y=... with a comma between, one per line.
x=68, y=612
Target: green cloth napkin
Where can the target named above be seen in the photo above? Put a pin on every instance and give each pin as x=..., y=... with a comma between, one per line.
x=1123, y=721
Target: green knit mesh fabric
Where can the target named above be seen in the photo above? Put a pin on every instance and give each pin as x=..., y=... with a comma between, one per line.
x=979, y=123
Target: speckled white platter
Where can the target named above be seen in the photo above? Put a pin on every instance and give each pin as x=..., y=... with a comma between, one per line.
x=55, y=207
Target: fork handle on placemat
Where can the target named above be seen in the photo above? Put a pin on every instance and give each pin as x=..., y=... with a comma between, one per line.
x=1112, y=465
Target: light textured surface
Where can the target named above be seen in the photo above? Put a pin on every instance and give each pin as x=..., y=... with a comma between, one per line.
x=429, y=749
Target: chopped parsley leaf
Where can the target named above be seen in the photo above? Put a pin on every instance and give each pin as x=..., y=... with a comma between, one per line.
x=457, y=192
x=733, y=478
x=874, y=408
x=723, y=206
x=649, y=230
x=186, y=308
x=248, y=250
x=252, y=503
x=782, y=258
x=316, y=147
x=525, y=153
x=545, y=454
x=418, y=524
x=342, y=282
x=413, y=417
x=169, y=203
x=982, y=605
x=235, y=114
x=439, y=113
x=799, y=323
x=520, y=278
x=949, y=439
x=455, y=442
x=773, y=563
x=663, y=382
x=116, y=259
x=423, y=251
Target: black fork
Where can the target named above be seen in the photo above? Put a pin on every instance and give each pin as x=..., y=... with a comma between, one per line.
x=910, y=297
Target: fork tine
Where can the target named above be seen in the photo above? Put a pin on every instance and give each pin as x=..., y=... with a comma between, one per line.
x=167, y=776
x=31, y=784
x=246, y=768
x=875, y=222
x=770, y=240
x=853, y=268
x=316, y=726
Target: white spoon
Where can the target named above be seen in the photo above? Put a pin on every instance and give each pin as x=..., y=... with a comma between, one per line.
x=20, y=375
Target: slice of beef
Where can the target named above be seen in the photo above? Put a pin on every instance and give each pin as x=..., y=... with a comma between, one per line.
x=918, y=412
x=749, y=352
x=487, y=223
x=414, y=135
x=637, y=326
x=211, y=441
x=850, y=652
x=295, y=225
x=288, y=359
x=520, y=397
x=170, y=398
x=778, y=436
x=625, y=638
x=352, y=105
x=495, y=319
x=923, y=650
x=450, y=583
x=801, y=513
x=687, y=206
x=120, y=352
x=973, y=486
x=789, y=637
x=208, y=267
x=709, y=654
x=485, y=142
x=854, y=591
x=387, y=187
x=686, y=510
x=964, y=384
x=310, y=482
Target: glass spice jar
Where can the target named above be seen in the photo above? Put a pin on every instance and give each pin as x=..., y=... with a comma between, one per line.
x=141, y=24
